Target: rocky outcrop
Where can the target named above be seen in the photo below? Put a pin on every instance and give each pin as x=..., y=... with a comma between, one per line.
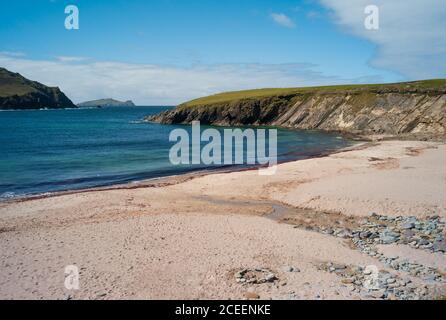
x=420, y=111
x=17, y=92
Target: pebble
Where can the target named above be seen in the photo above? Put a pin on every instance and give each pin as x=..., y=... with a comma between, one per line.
x=422, y=234
x=270, y=277
x=288, y=269
x=408, y=225
x=365, y=234
x=439, y=246
x=252, y=295
x=254, y=276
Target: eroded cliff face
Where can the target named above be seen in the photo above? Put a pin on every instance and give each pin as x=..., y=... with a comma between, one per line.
x=421, y=112
x=51, y=98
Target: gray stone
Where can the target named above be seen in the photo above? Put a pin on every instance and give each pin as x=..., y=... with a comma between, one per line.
x=408, y=225
x=430, y=278
x=337, y=266
x=439, y=246
x=388, y=239
x=365, y=234
x=423, y=242
x=270, y=277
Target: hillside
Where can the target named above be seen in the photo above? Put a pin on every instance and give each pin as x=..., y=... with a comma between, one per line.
x=411, y=108
x=17, y=92
x=103, y=103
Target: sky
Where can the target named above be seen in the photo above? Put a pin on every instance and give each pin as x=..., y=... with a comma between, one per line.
x=164, y=52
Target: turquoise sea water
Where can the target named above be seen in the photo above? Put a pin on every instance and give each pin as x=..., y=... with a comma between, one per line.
x=53, y=150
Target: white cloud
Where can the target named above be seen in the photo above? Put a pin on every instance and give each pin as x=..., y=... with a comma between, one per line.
x=283, y=20
x=12, y=53
x=410, y=39
x=70, y=59
x=148, y=84
x=314, y=14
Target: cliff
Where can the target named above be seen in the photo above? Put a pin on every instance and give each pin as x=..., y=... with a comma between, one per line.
x=403, y=109
x=17, y=92
x=103, y=103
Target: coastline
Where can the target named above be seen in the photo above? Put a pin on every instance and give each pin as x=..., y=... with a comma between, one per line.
x=178, y=178
x=188, y=238
x=31, y=175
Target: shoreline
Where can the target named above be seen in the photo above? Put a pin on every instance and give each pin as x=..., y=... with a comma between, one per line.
x=200, y=237
x=172, y=179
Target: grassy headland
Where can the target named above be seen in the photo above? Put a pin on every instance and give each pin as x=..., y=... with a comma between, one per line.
x=226, y=97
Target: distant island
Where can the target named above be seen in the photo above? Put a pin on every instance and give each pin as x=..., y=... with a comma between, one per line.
x=104, y=103
x=17, y=92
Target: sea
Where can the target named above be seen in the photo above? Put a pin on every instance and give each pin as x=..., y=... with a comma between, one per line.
x=45, y=151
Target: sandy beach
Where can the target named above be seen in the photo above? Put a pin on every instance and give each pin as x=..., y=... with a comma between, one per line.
x=303, y=233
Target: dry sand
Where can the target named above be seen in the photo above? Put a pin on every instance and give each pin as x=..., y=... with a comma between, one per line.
x=186, y=238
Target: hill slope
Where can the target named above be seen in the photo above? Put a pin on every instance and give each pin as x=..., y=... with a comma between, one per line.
x=411, y=108
x=17, y=92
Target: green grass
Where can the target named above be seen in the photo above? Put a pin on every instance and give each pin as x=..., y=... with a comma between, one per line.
x=227, y=97
x=13, y=84
x=10, y=90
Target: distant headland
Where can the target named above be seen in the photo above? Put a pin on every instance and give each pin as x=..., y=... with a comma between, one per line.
x=20, y=93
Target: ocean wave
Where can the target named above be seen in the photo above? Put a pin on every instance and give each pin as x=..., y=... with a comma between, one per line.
x=136, y=121
x=8, y=195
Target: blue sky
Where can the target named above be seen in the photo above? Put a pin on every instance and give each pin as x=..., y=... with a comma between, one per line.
x=206, y=46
